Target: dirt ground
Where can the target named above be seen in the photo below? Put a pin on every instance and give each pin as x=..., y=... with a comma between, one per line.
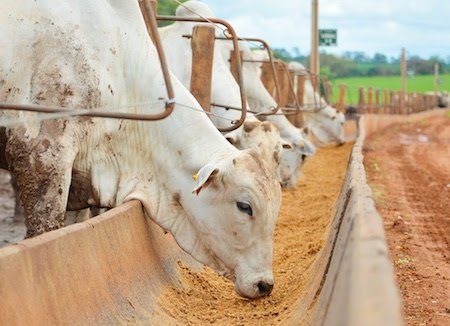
x=408, y=169
x=301, y=232
x=11, y=230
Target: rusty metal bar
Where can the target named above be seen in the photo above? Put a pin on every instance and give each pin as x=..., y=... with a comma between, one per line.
x=92, y=113
x=230, y=30
x=271, y=61
x=229, y=107
x=149, y=18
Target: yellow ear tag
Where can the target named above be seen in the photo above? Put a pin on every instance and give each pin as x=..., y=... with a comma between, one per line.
x=301, y=145
x=195, y=177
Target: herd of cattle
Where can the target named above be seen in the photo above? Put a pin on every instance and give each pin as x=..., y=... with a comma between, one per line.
x=218, y=194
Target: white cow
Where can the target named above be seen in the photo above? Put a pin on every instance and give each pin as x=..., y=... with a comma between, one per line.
x=262, y=136
x=261, y=101
x=86, y=54
x=326, y=123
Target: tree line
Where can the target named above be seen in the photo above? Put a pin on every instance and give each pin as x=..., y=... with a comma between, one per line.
x=358, y=63
x=351, y=63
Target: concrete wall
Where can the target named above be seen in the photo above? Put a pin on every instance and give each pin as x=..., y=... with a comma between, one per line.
x=108, y=270
x=358, y=286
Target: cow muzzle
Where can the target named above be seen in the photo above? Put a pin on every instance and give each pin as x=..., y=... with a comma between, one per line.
x=258, y=288
x=264, y=288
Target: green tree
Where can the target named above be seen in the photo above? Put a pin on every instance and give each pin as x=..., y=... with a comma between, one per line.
x=167, y=7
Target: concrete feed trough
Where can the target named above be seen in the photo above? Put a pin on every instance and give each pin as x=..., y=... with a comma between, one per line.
x=112, y=268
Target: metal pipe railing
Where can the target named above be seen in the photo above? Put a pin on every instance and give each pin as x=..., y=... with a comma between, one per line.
x=233, y=37
x=150, y=20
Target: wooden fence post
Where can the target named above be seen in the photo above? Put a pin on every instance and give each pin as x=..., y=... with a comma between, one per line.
x=315, y=83
x=377, y=101
x=299, y=121
x=233, y=63
x=416, y=102
x=386, y=108
x=328, y=90
x=267, y=78
x=410, y=103
x=300, y=89
x=370, y=100
x=401, y=102
x=291, y=97
x=283, y=83
x=341, y=100
x=361, y=100
x=202, y=43
x=392, y=102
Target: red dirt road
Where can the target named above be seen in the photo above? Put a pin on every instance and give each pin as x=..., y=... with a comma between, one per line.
x=408, y=168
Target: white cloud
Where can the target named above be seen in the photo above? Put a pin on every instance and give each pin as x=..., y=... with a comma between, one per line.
x=422, y=27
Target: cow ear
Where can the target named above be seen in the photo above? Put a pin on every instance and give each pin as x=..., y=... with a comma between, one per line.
x=203, y=177
x=305, y=148
x=250, y=125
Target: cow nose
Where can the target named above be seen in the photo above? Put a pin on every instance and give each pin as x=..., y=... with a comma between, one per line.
x=264, y=288
x=303, y=157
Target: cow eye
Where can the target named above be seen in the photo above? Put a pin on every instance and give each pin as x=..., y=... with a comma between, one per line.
x=245, y=208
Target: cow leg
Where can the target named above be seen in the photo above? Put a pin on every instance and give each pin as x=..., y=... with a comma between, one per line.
x=42, y=168
x=18, y=210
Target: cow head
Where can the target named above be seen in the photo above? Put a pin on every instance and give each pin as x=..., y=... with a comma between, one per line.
x=233, y=207
x=264, y=137
x=292, y=159
x=327, y=125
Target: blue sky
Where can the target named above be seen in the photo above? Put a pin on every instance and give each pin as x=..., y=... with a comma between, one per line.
x=422, y=27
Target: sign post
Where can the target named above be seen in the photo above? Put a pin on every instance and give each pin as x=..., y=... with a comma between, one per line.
x=314, y=60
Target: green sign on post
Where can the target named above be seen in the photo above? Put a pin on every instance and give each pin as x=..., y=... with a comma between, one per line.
x=327, y=37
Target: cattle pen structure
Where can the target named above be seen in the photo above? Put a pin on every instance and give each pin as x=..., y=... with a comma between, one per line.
x=111, y=269
x=117, y=268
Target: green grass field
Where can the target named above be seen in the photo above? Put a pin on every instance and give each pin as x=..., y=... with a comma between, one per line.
x=422, y=84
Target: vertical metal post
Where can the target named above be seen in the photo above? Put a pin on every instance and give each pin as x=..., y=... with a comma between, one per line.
x=314, y=59
x=154, y=5
x=202, y=43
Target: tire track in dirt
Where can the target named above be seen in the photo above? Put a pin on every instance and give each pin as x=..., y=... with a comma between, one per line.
x=409, y=172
